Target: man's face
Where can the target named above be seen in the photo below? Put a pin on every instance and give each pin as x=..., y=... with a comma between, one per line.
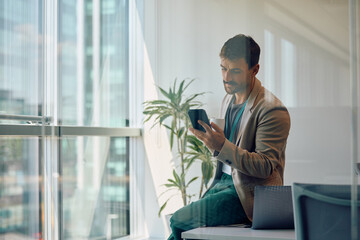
x=237, y=77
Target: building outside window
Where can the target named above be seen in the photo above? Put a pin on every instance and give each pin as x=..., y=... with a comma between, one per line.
x=88, y=196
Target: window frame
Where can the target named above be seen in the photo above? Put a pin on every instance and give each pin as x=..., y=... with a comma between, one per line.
x=50, y=133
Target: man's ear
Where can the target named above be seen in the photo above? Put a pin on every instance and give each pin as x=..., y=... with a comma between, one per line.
x=256, y=69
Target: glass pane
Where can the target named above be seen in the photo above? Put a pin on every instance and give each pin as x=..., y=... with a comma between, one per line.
x=95, y=187
x=20, y=57
x=20, y=189
x=94, y=62
x=304, y=61
x=354, y=13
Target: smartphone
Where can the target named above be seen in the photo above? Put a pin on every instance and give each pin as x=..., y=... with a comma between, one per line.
x=198, y=114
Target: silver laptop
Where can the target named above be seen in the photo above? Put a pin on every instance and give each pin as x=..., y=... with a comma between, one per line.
x=273, y=208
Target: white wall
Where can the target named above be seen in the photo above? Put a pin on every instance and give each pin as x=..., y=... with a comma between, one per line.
x=304, y=61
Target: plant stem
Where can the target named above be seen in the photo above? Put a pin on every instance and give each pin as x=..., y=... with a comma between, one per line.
x=180, y=147
x=201, y=187
x=183, y=145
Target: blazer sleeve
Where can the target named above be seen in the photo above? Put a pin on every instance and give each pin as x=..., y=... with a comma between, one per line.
x=265, y=151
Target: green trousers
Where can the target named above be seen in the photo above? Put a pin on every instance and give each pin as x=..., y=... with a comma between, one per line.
x=219, y=206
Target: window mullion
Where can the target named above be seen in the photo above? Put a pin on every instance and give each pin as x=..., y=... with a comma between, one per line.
x=136, y=148
x=49, y=152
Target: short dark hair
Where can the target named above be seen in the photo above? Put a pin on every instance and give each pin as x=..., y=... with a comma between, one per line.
x=241, y=46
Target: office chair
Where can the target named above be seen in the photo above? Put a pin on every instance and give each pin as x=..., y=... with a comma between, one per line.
x=323, y=211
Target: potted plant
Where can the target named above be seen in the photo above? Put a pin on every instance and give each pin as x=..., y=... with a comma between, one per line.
x=172, y=113
x=198, y=151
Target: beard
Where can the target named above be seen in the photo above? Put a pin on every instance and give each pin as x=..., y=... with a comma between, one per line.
x=233, y=87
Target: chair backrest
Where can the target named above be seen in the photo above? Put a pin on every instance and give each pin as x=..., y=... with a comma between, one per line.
x=323, y=211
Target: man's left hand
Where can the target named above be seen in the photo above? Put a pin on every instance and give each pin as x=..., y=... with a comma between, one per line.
x=212, y=138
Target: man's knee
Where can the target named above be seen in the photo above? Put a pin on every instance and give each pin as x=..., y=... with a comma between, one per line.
x=176, y=226
x=183, y=217
x=175, y=218
x=189, y=217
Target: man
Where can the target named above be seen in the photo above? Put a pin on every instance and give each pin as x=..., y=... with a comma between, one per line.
x=251, y=149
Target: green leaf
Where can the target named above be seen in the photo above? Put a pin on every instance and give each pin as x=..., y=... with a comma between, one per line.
x=168, y=127
x=171, y=138
x=163, y=117
x=178, y=180
x=169, y=185
x=147, y=119
x=171, y=95
x=195, y=141
x=193, y=179
x=207, y=171
x=156, y=102
x=162, y=208
x=180, y=91
x=180, y=132
x=173, y=127
x=190, y=162
x=192, y=97
x=177, y=184
x=174, y=87
x=166, y=94
x=176, y=177
x=187, y=85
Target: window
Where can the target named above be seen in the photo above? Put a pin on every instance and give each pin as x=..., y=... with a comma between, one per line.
x=95, y=187
x=20, y=190
x=65, y=136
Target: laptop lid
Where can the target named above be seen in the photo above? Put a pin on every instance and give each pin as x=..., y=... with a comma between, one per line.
x=273, y=208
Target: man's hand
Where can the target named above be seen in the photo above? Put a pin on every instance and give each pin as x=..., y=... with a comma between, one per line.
x=213, y=139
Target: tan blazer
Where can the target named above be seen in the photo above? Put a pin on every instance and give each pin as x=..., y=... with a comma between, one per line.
x=258, y=158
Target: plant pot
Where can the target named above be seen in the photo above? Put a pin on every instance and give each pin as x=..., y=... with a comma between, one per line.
x=167, y=218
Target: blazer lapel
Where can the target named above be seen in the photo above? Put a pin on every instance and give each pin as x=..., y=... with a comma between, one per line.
x=248, y=109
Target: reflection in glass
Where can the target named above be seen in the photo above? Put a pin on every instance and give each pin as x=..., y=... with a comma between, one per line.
x=20, y=190
x=20, y=57
x=93, y=43
x=269, y=56
x=288, y=77
x=95, y=187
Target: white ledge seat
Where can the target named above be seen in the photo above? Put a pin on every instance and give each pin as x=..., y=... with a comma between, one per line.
x=238, y=233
